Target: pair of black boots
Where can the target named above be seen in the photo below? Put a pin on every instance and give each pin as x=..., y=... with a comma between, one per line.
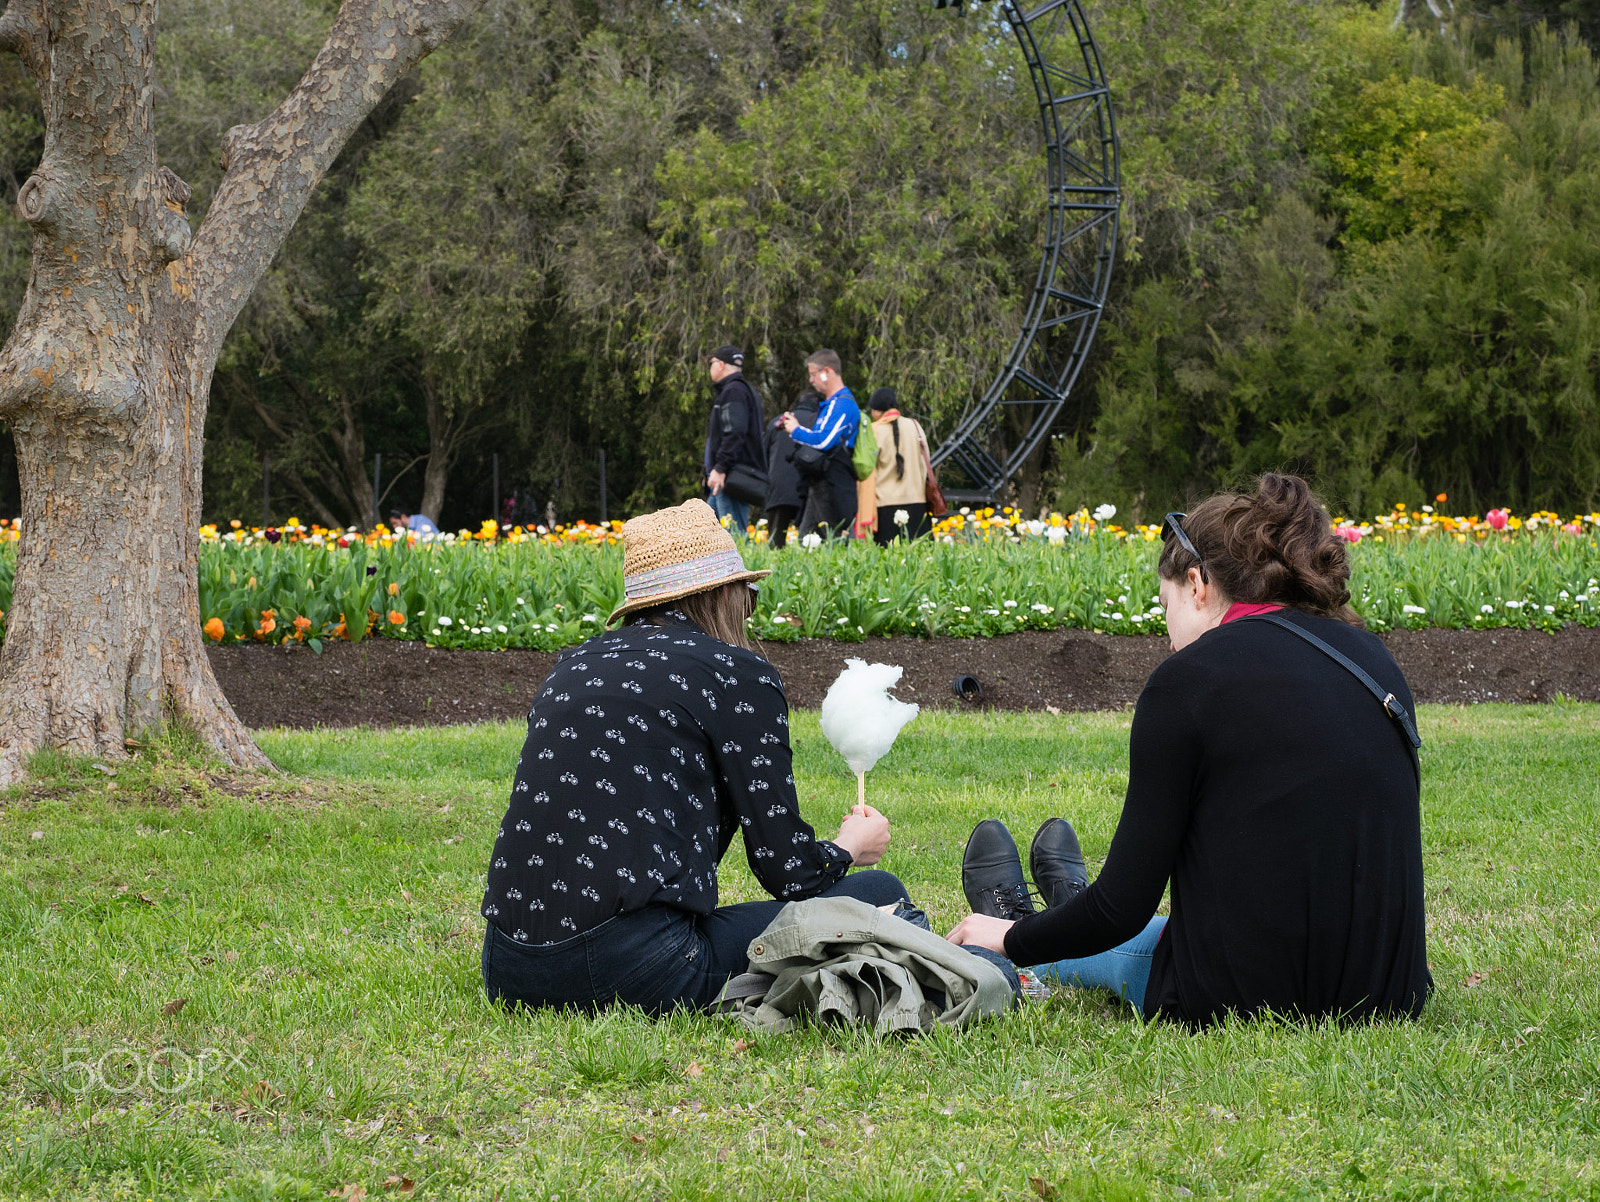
x=991, y=869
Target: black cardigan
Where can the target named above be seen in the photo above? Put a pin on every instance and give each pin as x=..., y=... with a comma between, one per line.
x=1268, y=784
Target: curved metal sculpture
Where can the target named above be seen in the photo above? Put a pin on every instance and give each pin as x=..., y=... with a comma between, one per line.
x=1084, y=182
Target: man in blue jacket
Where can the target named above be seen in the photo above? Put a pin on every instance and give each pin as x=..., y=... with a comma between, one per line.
x=832, y=499
x=734, y=435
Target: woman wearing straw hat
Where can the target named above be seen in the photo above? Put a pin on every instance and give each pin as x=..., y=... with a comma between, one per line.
x=648, y=747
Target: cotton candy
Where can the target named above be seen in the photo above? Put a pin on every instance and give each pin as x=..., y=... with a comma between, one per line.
x=859, y=717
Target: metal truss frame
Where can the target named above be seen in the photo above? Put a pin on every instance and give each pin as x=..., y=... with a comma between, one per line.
x=1083, y=180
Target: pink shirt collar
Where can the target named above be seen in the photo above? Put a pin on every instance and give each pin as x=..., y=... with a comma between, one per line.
x=1241, y=610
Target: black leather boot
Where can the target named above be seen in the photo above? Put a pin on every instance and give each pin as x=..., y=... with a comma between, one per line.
x=991, y=873
x=1055, y=862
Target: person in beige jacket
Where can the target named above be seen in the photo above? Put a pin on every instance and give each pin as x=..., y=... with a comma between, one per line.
x=898, y=489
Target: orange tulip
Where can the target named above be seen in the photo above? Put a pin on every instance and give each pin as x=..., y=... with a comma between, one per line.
x=214, y=630
x=394, y=590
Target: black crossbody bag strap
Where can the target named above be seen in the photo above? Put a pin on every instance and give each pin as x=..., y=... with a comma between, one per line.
x=1390, y=703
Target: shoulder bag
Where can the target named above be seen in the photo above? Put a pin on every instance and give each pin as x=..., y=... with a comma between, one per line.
x=932, y=493
x=747, y=483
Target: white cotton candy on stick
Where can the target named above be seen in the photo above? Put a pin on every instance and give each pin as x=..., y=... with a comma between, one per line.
x=860, y=719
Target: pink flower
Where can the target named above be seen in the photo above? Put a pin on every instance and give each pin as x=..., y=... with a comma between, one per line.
x=1350, y=534
x=1497, y=518
x=1571, y=527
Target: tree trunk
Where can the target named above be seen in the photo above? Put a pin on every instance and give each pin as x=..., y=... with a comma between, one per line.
x=443, y=436
x=105, y=377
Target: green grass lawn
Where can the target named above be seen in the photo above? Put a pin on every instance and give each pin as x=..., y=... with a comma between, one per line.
x=323, y=928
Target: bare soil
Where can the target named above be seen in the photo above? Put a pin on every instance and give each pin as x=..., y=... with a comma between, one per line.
x=384, y=682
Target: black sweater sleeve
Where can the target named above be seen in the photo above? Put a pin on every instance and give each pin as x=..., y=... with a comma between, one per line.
x=1164, y=759
x=754, y=766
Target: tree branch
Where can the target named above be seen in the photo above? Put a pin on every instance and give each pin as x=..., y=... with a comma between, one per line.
x=25, y=32
x=271, y=167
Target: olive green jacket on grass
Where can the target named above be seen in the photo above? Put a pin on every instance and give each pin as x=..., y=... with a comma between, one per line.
x=839, y=959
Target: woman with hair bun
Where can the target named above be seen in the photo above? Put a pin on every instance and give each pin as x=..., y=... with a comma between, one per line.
x=1273, y=780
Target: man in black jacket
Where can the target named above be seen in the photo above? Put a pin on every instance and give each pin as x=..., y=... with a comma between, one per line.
x=733, y=437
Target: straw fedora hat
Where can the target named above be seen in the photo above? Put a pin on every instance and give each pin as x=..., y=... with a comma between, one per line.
x=674, y=552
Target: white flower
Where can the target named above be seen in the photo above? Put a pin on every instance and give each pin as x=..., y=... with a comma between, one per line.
x=966, y=609
x=1412, y=609
x=1549, y=609
x=446, y=621
x=1104, y=513
x=902, y=518
x=1116, y=617
x=1011, y=604
x=811, y=541
x=1514, y=604
x=500, y=628
x=1488, y=609
x=590, y=618
x=1056, y=534
x=1035, y=527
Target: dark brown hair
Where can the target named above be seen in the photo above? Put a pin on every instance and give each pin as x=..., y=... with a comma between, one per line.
x=1276, y=547
x=720, y=612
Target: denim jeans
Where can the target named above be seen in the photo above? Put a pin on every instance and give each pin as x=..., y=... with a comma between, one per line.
x=737, y=512
x=1124, y=970
x=658, y=959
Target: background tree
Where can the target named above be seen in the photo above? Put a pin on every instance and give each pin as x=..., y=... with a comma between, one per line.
x=105, y=376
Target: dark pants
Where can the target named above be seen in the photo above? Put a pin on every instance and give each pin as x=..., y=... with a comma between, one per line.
x=919, y=523
x=831, y=500
x=779, y=519
x=658, y=959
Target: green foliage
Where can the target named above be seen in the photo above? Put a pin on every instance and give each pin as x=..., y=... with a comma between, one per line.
x=828, y=220
x=1409, y=152
x=1458, y=353
x=323, y=927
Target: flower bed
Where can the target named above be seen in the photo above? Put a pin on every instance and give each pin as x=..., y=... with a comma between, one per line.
x=984, y=573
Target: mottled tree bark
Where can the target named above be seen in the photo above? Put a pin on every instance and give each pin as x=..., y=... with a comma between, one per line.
x=106, y=375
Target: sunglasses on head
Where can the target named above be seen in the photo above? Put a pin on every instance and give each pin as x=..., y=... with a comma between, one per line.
x=1170, y=523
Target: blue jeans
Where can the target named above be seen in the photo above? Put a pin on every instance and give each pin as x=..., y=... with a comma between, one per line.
x=1124, y=970
x=659, y=959
x=738, y=512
